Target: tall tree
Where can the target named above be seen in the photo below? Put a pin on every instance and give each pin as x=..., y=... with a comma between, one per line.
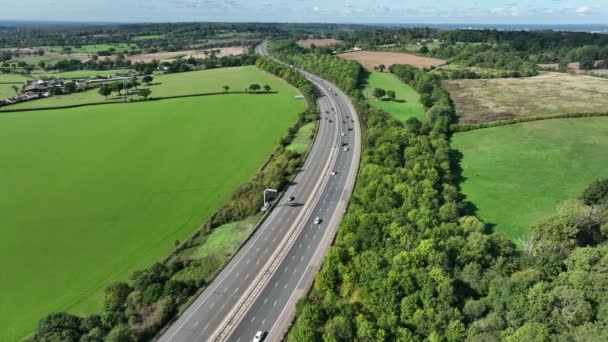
x=148, y=79
x=378, y=93
x=226, y=88
x=267, y=88
x=144, y=92
x=254, y=87
x=105, y=90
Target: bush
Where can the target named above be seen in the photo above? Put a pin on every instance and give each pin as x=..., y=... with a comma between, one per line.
x=596, y=192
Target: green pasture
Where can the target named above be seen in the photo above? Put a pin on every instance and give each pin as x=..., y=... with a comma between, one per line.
x=81, y=73
x=92, y=193
x=187, y=83
x=149, y=37
x=407, y=103
x=94, y=48
x=516, y=175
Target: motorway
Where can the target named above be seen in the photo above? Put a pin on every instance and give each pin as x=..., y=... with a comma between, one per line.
x=259, y=287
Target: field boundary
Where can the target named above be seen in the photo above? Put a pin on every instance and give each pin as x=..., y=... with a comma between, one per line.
x=471, y=127
x=152, y=99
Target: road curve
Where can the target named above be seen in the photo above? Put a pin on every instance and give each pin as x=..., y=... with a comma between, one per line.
x=259, y=287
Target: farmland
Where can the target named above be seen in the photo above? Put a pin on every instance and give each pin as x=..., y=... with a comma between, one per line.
x=94, y=48
x=168, y=56
x=66, y=197
x=529, y=168
x=317, y=42
x=189, y=83
x=489, y=100
x=371, y=59
x=405, y=105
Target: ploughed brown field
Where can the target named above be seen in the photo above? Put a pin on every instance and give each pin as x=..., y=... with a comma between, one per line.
x=170, y=56
x=371, y=59
x=318, y=42
x=550, y=93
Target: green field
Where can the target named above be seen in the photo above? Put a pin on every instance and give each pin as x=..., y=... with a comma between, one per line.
x=93, y=193
x=195, y=82
x=94, y=48
x=407, y=103
x=34, y=60
x=81, y=73
x=152, y=36
x=517, y=174
x=13, y=78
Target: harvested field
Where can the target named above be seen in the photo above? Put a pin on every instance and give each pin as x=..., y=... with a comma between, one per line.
x=371, y=59
x=490, y=100
x=575, y=67
x=318, y=42
x=169, y=56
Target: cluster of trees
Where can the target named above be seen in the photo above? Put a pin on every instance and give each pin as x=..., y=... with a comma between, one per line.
x=488, y=56
x=292, y=76
x=344, y=73
x=432, y=94
x=379, y=93
x=106, y=89
x=131, y=311
x=394, y=271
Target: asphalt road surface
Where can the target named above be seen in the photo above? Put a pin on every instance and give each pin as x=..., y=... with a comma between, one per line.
x=259, y=287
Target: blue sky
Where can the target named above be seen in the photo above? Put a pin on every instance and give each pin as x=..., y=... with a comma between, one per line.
x=351, y=11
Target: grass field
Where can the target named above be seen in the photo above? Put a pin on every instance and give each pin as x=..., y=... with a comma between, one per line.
x=153, y=36
x=407, y=103
x=548, y=94
x=195, y=82
x=517, y=174
x=13, y=78
x=94, y=48
x=93, y=193
x=48, y=59
x=81, y=73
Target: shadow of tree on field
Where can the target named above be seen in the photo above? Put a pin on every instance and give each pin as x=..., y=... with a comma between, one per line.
x=466, y=207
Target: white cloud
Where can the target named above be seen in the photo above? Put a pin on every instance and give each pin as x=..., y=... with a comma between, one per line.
x=316, y=9
x=583, y=10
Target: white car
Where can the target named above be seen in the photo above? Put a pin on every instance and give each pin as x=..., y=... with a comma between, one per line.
x=343, y=134
x=346, y=149
x=333, y=173
x=317, y=220
x=259, y=336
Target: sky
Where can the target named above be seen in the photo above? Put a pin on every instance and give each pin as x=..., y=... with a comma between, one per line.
x=334, y=11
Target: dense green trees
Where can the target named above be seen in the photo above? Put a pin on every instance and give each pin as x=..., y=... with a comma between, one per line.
x=409, y=264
